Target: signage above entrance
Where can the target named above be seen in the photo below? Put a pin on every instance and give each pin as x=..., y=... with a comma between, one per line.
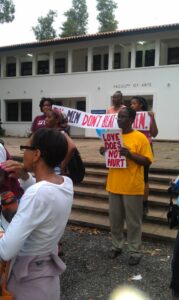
x=132, y=85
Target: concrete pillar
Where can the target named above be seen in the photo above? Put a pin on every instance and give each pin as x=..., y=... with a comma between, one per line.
x=111, y=57
x=17, y=66
x=157, y=53
x=69, y=60
x=89, y=65
x=133, y=55
x=3, y=66
x=51, y=63
x=34, y=65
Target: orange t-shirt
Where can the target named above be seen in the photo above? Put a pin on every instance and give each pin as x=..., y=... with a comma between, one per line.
x=112, y=110
x=130, y=180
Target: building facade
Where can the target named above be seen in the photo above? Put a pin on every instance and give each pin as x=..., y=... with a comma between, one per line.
x=83, y=72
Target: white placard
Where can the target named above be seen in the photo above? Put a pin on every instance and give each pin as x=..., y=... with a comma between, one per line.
x=112, y=144
x=142, y=121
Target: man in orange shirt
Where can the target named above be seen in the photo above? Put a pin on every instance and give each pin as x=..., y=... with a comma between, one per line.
x=117, y=102
x=126, y=189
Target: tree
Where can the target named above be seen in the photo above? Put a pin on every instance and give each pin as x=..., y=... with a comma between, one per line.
x=106, y=15
x=77, y=19
x=7, y=10
x=44, y=29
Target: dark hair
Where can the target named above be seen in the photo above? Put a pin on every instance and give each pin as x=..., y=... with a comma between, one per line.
x=118, y=93
x=142, y=101
x=52, y=145
x=50, y=100
x=131, y=112
x=62, y=118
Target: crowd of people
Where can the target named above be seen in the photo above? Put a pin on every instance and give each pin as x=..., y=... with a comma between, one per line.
x=35, y=223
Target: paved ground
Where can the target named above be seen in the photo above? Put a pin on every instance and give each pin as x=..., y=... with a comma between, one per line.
x=166, y=153
x=90, y=275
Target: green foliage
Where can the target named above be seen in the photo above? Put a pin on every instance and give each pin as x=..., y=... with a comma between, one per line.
x=44, y=29
x=106, y=15
x=77, y=19
x=7, y=10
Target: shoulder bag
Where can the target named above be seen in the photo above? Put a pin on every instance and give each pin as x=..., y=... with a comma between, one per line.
x=76, y=168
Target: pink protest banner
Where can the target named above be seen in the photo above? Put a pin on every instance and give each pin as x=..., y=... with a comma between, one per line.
x=82, y=119
x=112, y=144
x=142, y=121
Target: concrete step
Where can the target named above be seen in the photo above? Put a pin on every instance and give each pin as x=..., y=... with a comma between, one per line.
x=155, y=214
x=153, y=170
x=96, y=205
x=97, y=188
x=155, y=200
x=161, y=178
x=151, y=230
x=90, y=207
x=100, y=197
x=158, y=188
x=164, y=178
x=90, y=192
x=100, y=182
x=95, y=171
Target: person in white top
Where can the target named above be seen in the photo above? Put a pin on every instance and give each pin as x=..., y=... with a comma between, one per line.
x=2, y=153
x=33, y=234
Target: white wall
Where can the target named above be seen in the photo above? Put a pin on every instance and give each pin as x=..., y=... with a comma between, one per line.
x=97, y=87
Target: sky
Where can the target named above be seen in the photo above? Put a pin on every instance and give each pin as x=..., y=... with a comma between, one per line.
x=130, y=14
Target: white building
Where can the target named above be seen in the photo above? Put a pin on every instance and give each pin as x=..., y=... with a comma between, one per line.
x=83, y=72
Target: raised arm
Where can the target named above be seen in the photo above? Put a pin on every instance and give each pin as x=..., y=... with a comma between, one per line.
x=153, y=125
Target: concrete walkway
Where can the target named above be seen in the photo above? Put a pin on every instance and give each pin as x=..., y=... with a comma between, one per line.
x=166, y=153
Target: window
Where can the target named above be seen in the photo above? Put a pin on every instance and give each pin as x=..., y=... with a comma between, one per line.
x=26, y=111
x=117, y=60
x=79, y=60
x=86, y=63
x=43, y=67
x=81, y=105
x=60, y=65
x=96, y=62
x=149, y=58
x=138, y=62
x=105, y=66
x=26, y=68
x=12, y=111
x=129, y=59
x=19, y=111
x=11, y=69
x=173, y=56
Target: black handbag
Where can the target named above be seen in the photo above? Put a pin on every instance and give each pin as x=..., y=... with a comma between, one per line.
x=173, y=212
x=76, y=168
x=173, y=189
x=173, y=215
